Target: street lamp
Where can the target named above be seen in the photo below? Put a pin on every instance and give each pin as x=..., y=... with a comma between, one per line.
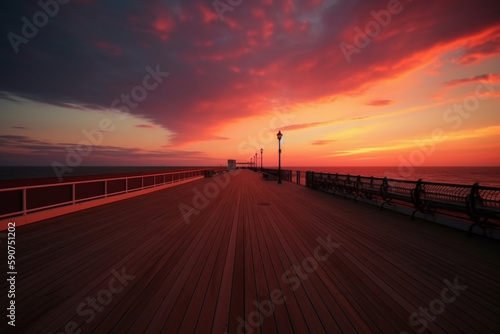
x=279, y=135
x=261, y=151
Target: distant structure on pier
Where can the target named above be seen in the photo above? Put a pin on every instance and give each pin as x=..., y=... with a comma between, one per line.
x=231, y=164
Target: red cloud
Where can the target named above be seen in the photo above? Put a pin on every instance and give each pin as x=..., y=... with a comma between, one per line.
x=164, y=24
x=322, y=142
x=457, y=82
x=208, y=14
x=109, y=48
x=379, y=103
x=486, y=46
x=217, y=77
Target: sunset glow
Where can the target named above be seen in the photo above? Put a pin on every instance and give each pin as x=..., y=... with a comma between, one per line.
x=349, y=83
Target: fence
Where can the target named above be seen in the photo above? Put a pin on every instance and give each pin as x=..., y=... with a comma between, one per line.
x=286, y=174
x=24, y=200
x=480, y=204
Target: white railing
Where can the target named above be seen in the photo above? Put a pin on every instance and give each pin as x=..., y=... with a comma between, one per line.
x=24, y=200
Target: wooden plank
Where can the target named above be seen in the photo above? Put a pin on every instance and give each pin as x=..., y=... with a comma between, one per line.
x=206, y=275
x=222, y=309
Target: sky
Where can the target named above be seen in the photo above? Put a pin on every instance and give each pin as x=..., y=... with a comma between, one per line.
x=198, y=82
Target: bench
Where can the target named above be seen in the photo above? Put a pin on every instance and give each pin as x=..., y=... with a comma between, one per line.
x=481, y=204
x=398, y=190
x=478, y=203
x=370, y=187
x=269, y=176
x=348, y=185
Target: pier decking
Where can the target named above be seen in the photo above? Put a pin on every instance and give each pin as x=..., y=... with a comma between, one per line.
x=313, y=262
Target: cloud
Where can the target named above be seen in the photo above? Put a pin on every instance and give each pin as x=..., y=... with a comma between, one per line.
x=477, y=78
x=109, y=48
x=92, y=53
x=322, y=142
x=304, y=126
x=18, y=146
x=218, y=138
x=485, y=47
x=481, y=132
x=378, y=103
x=145, y=126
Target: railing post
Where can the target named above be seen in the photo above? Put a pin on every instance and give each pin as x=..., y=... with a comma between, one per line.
x=25, y=202
x=73, y=193
x=105, y=188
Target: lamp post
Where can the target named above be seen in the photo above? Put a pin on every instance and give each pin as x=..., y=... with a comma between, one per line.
x=255, y=166
x=279, y=135
x=261, y=151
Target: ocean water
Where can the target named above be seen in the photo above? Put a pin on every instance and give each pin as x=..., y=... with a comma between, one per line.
x=486, y=176
x=34, y=172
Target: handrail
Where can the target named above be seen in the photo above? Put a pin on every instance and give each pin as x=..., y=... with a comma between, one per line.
x=98, y=180
x=286, y=174
x=480, y=203
x=24, y=200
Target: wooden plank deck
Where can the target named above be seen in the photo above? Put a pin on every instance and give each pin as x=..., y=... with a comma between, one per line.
x=314, y=263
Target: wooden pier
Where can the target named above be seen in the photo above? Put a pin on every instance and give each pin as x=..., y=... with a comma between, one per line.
x=252, y=256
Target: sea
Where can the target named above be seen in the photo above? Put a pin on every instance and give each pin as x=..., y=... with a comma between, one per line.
x=486, y=176
x=35, y=172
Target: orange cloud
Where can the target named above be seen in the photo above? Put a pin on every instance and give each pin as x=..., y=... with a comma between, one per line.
x=145, y=126
x=378, y=103
x=322, y=142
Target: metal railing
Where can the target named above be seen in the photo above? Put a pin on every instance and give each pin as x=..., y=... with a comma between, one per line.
x=286, y=174
x=24, y=200
x=481, y=204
